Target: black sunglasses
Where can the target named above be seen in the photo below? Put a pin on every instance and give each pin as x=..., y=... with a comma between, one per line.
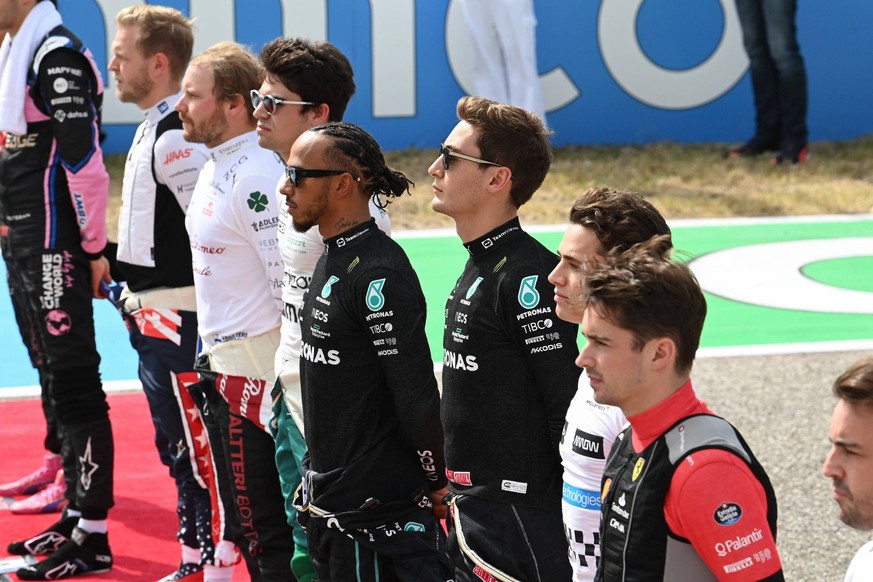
x=294, y=174
x=271, y=102
x=448, y=154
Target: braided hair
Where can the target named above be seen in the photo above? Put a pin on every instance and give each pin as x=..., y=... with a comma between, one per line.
x=351, y=144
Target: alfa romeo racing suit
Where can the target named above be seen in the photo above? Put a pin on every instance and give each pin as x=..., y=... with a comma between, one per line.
x=54, y=188
x=508, y=378
x=232, y=223
x=371, y=415
x=154, y=257
x=589, y=433
x=685, y=499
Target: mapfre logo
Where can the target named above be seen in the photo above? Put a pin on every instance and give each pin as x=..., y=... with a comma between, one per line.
x=177, y=155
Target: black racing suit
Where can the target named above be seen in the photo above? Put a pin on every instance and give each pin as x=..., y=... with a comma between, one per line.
x=508, y=378
x=54, y=190
x=371, y=415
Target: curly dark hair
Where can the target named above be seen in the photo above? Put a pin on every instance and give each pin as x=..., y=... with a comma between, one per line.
x=620, y=219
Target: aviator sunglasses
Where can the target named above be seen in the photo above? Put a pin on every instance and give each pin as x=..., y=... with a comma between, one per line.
x=271, y=102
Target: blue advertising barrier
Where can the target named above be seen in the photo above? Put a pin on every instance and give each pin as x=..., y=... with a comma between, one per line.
x=613, y=71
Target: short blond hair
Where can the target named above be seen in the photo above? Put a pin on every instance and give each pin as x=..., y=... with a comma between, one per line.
x=161, y=29
x=235, y=71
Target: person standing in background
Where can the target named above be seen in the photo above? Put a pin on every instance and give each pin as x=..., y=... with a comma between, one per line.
x=54, y=191
x=778, y=81
x=504, y=55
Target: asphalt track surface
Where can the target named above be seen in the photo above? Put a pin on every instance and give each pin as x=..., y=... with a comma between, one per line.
x=779, y=397
x=782, y=406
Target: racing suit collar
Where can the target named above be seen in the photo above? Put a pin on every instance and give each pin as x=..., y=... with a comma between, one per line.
x=162, y=108
x=350, y=237
x=502, y=233
x=232, y=146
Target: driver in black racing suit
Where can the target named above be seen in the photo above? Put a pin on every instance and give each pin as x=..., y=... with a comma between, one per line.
x=375, y=467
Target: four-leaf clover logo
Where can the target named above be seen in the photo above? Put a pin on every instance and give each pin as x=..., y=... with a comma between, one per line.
x=258, y=202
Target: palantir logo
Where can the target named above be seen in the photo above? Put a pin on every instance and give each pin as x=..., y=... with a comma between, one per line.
x=325, y=291
x=528, y=296
x=375, y=299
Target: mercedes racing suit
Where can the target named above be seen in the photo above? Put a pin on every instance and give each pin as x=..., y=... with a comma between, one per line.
x=300, y=253
x=508, y=378
x=684, y=498
x=154, y=257
x=371, y=414
x=54, y=188
x=232, y=223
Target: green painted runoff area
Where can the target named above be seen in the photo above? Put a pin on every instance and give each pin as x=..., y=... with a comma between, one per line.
x=440, y=260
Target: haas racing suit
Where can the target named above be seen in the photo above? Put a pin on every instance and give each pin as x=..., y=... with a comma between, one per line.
x=232, y=224
x=158, y=305
x=371, y=414
x=54, y=188
x=508, y=377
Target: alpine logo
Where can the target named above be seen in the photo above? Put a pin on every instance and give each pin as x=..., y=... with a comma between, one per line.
x=528, y=296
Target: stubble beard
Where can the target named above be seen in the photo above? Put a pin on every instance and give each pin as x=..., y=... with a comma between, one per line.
x=209, y=132
x=304, y=223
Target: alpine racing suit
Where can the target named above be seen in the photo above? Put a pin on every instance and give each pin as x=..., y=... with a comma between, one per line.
x=54, y=189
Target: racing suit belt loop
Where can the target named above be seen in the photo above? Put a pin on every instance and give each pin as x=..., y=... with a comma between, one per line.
x=251, y=357
x=180, y=298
